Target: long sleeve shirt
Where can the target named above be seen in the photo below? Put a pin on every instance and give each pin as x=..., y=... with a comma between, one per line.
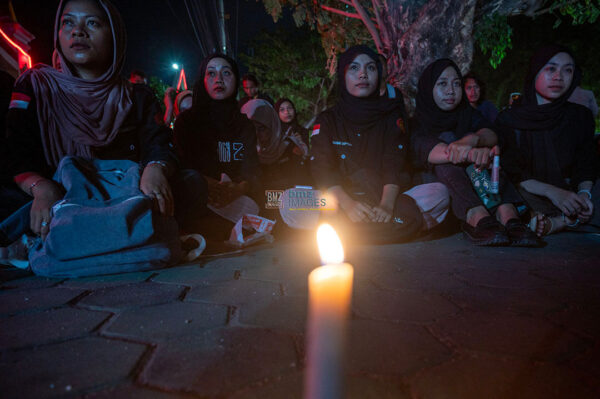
x=142, y=138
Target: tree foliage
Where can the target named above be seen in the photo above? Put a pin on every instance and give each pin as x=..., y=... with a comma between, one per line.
x=343, y=23
x=293, y=65
x=158, y=87
x=412, y=33
x=336, y=21
x=493, y=33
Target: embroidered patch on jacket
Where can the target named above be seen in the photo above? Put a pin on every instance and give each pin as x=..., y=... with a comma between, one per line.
x=19, y=101
x=342, y=143
x=230, y=151
x=316, y=130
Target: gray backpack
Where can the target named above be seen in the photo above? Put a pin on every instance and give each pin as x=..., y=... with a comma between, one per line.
x=104, y=224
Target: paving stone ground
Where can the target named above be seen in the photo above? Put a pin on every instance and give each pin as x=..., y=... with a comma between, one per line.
x=431, y=319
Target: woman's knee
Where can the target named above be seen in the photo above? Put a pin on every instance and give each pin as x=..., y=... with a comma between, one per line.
x=430, y=196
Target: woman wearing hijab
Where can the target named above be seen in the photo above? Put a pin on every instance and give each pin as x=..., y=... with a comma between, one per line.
x=281, y=154
x=288, y=117
x=215, y=139
x=450, y=135
x=176, y=104
x=82, y=107
x=550, y=144
x=358, y=156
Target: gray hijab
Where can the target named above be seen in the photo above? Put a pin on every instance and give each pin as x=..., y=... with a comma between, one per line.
x=271, y=144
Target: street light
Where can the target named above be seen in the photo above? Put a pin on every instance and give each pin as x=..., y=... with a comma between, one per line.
x=175, y=66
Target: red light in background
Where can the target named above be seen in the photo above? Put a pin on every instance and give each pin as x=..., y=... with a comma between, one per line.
x=24, y=58
x=181, y=79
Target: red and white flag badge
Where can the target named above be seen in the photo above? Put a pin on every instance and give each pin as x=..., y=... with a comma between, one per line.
x=316, y=130
x=19, y=101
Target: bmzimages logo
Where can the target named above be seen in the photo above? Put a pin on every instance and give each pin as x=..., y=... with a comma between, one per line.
x=274, y=199
x=296, y=199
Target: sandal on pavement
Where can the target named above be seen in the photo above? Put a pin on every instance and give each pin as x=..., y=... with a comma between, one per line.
x=488, y=232
x=520, y=235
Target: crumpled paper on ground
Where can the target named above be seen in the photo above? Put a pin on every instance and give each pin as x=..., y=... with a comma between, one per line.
x=262, y=228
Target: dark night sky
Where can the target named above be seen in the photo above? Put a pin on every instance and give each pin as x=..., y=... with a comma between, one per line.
x=158, y=34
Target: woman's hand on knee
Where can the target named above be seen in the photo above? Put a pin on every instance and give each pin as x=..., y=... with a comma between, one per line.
x=585, y=214
x=357, y=211
x=481, y=157
x=154, y=184
x=567, y=201
x=381, y=214
x=45, y=194
x=223, y=193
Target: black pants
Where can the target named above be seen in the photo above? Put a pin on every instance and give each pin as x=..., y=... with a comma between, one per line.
x=543, y=205
x=463, y=196
x=367, y=187
x=11, y=198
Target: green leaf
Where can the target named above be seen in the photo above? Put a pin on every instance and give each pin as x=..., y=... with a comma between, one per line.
x=493, y=34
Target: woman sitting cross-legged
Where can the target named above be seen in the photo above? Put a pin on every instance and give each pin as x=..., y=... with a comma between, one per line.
x=358, y=156
x=215, y=139
x=449, y=136
x=281, y=155
x=550, y=150
x=83, y=108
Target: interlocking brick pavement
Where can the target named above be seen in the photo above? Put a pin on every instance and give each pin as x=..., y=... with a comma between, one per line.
x=429, y=319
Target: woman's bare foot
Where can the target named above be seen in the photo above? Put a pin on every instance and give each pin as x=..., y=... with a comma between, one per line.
x=545, y=225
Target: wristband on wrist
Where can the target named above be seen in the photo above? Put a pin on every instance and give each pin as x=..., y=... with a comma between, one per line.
x=161, y=163
x=588, y=192
x=35, y=183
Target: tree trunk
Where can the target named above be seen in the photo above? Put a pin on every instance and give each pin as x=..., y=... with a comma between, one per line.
x=509, y=7
x=423, y=31
x=441, y=29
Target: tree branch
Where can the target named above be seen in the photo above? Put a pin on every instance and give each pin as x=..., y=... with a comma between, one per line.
x=316, y=108
x=340, y=12
x=369, y=24
x=344, y=13
x=552, y=8
x=387, y=43
x=347, y=2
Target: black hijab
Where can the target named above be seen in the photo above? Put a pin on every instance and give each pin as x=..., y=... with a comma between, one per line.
x=538, y=121
x=222, y=114
x=199, y=129
x=360, y=112
x=431, y=119
x=528, y=115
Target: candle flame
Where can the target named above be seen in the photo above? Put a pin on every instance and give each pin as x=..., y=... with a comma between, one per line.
x=330, y=246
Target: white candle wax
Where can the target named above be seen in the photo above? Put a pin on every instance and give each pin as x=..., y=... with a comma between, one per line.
x=330, y=292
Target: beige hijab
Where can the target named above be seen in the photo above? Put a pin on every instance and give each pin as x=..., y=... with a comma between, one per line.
x=75, y=114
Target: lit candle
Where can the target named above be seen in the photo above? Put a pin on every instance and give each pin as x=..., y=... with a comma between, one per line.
x=330, y=291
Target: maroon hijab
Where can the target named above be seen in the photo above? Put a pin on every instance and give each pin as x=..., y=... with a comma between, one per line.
x=75, y=114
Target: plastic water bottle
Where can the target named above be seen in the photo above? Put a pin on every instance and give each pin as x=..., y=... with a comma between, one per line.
x=494, y=186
